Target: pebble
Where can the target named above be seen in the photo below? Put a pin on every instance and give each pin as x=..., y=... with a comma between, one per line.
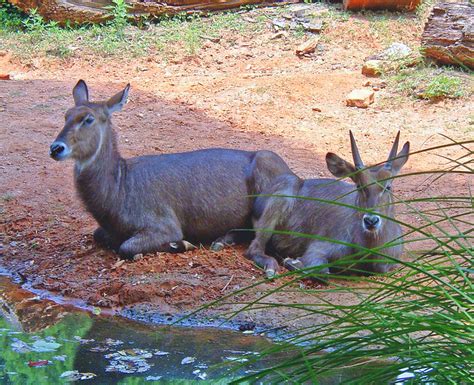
x=360, y=98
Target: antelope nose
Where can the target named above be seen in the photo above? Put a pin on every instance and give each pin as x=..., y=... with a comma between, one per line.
x=57, y=150
x=371, y=221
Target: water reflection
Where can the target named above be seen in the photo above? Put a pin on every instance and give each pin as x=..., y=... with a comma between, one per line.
x=43, y=342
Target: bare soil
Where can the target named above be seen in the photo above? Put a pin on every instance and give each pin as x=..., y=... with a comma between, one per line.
x=247, y=91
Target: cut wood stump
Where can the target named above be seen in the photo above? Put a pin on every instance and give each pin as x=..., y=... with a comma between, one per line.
x=448, y=37
x=95, y=11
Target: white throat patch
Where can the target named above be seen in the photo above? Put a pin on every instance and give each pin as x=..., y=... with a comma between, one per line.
x=80, y=166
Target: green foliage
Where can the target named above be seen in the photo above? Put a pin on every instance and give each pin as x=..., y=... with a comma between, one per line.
x=11, y=18
x=119, y=15
x=15, y=369
x=40, y=38
x=442, y=86
x=432, y=83
x=35, y=23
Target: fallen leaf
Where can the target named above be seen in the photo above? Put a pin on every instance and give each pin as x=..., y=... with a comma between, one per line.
x=117, y=264
x=42, y=346
x=188, y=360
x=35, y=364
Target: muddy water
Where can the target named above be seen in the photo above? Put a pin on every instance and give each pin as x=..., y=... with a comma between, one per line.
x=110, y=351
x=45, y=342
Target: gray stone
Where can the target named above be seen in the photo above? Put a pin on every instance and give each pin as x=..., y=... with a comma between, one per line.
x=315, y=26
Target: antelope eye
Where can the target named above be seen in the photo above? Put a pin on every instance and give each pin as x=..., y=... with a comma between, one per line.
x=388, y=188
x=89, y=120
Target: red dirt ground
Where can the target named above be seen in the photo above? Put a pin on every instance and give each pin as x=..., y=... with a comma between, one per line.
x=248, y=92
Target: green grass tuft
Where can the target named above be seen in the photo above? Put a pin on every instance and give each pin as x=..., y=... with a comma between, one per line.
x=432, y=83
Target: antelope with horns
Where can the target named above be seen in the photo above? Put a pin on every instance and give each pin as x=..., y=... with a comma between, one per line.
x=152, y=203
x=367, y=223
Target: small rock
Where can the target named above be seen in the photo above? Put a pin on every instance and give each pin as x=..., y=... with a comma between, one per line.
x=5, y=76
x=301, y=11
x=248, y=19
x=360, y=98
x=396, y=51
x=316, y=109
x=280, y=24
x=315, y=26
x=118, y=264
x=372, y=68
x=307, y=47
x=212, y=39
x=278, y=35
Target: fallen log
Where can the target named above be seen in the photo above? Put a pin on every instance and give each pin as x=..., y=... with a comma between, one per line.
x=396, y=5
x=95, y=11
x=448, y=36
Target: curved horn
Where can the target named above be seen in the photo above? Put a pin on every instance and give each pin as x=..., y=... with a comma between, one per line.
x=393, y=153
x=355, y=153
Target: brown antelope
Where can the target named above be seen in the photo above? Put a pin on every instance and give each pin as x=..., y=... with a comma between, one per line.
x=152, y=203
x=369, y=226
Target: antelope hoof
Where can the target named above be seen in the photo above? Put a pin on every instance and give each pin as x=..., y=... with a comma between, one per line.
x=188, y=246
x=270, y=273
x=217, y=246
x=181, y=246
x=137, y=257
x=292, y=264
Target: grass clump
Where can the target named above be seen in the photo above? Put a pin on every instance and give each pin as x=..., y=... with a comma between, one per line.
x=444, y=86
x=30, y=36
x=432, y=83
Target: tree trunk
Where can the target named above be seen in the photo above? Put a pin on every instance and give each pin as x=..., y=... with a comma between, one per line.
x=449, y=34
x=82, y=11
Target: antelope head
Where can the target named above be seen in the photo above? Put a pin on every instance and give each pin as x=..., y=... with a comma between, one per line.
x=84, y=130
x=374, y=184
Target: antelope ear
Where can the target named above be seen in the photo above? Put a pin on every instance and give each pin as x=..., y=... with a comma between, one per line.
x=339, y=167
x=116, y=102
x=80, y=93
x=402, y=158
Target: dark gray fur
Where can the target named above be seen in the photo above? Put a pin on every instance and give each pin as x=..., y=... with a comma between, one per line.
x=143, y=204
x=328, y=220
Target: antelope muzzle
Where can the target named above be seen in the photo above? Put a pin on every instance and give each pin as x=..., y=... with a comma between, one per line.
x=59, y=150
x=371, y=222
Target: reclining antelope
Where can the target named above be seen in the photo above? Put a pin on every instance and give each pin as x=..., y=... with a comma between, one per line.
x=153, y=203
x=369, y=226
